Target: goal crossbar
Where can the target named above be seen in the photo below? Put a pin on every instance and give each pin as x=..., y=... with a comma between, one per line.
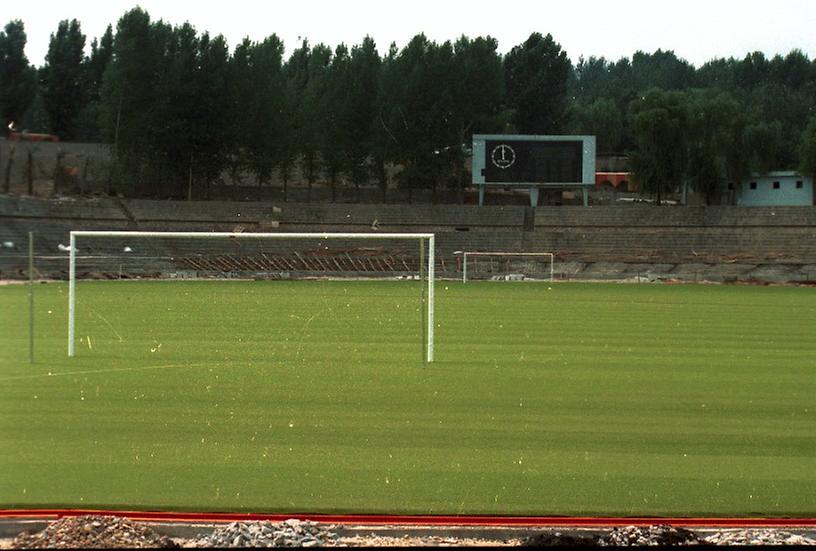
x=430, y=237
x=466, y=254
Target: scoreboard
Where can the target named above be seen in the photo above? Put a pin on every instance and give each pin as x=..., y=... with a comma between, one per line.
x=533, y=160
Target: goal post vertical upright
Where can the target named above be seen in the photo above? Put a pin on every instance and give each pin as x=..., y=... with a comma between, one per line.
x=71, y=292
x=431, y=276
x=31, y=297
x=422, y=300
x=429, y=329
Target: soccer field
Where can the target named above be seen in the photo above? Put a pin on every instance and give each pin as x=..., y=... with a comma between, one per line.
x=312, y=396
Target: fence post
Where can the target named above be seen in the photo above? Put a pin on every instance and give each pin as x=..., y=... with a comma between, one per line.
x=7, y=182
x=83, y=182
x=58, y=172
x=30, y=173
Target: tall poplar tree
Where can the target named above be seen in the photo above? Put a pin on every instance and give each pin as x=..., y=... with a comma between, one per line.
x=311, y=108
x=536, y=73
x=210, y=134
x=807, y=150
x=362, y=107
x=130, y=106
x=265, y=129
x=94, y=65
x=63, y=87
x=334, y=109
x=18, y=80
x=296, y=77
x=660, y=125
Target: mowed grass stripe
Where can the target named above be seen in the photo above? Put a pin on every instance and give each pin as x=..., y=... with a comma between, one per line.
x=312, y=396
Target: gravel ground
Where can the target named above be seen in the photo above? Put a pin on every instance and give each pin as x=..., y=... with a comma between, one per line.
x=115, y=532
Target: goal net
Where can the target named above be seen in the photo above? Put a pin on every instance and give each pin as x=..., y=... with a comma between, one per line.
x=506, y=266
x=282, y=295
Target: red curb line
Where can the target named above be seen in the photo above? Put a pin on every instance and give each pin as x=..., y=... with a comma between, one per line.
x=432, y=520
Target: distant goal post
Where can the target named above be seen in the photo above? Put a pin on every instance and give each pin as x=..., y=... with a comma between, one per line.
x=425, y=270
x=550, y=258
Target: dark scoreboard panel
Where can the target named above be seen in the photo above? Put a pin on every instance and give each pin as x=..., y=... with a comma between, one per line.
x=517, y=161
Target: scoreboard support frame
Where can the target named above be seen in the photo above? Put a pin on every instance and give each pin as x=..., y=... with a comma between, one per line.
x=534, y=191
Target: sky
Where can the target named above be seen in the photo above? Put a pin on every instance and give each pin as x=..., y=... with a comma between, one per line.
x=697, y=30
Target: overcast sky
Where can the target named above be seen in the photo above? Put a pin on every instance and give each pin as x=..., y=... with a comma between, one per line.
x=697, y=30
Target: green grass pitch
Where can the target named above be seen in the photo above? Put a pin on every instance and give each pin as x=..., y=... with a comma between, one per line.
x=311, y=396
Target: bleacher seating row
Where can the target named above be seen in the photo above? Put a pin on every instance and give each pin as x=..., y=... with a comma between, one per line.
x=630, y=235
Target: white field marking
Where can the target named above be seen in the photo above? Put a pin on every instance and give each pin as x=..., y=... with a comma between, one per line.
x=303, y=332
x=94, y=371
x=100, y=316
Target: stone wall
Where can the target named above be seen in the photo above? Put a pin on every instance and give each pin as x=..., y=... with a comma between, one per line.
x=47, y=168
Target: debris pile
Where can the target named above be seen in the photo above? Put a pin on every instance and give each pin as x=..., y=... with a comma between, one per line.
x=290, y=533
x=552, y=538
x=757, y=537
x=664, y=535
x=626, y=536
x=373, y=540
x=93, y=532
x=658, y=534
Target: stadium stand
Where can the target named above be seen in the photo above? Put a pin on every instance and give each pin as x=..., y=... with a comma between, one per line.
x=599, y=242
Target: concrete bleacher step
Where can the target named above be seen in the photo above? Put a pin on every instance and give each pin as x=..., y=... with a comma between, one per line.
x=630, y=234
x=132, y=223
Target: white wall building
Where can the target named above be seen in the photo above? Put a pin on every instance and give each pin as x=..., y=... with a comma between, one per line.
x=779, y=188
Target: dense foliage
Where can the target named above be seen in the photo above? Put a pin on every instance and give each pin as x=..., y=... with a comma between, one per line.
x=180, y=109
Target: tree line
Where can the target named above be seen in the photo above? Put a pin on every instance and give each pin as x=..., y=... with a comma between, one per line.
x=181, y=109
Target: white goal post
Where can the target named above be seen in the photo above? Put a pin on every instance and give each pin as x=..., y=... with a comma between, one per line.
x=421, y=237
x=466, y=254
